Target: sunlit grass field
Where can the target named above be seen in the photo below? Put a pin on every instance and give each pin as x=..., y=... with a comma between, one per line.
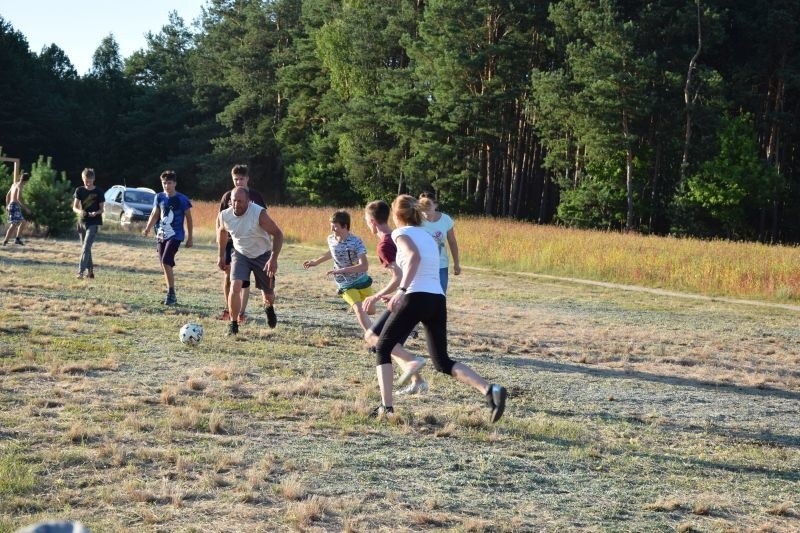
x=713, y=268
x=627, y=411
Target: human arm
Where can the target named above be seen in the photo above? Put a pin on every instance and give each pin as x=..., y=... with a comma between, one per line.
x=451, y=241
x=361, y=266
x=155, y=214
x=189, y=227
x=269, y=225
x=411, y=251
x=222, y=242
x=77, y=208
x=387, y=290
x=101, y=208
x=321, y=259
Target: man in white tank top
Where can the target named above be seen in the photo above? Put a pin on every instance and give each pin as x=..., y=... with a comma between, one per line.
x=257, y=241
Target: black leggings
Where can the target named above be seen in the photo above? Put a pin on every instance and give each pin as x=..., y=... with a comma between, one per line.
x=425, y=307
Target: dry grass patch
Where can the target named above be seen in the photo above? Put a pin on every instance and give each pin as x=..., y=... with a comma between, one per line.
x=217, y=424
x=664, y=504
x=782, y=509
x=169, y=394
x=185, y=418
x=80, y=432
x=291, y=488
x=196, y=384
x=305, y=512
x=137, y=422
x=114, y=453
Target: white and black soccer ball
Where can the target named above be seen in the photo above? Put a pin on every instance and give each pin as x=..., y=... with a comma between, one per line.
x=191, y=333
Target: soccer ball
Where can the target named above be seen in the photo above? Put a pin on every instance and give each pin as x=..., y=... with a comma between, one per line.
x=191, y=334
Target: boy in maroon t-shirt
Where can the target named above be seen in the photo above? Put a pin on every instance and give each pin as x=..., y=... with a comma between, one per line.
x=376, y=215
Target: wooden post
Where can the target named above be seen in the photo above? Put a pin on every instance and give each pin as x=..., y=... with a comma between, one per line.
x=16, y=165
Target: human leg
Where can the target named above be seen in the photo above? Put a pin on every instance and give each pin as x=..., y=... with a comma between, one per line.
x=82, y=237
x=410, y=364
x=265, y=283
x=397, y=327
x=235, y=299
x=436, y=336
x=443, y=279
x=8, y=233
x=245, y=294
x=167, y=250
x=88, y=238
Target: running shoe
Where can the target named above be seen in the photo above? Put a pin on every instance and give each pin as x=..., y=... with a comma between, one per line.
x=382, y=410
x=233, y=329
x=226, y=315
x=415, y=388
x=272, y=319
x=242, y=318
x=171, y=299
x=18, y=241
x=496, y=398
x=90, y=273
x=411, y=369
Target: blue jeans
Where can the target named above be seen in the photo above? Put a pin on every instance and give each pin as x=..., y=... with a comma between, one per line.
x=443, y=278
x=87, y=235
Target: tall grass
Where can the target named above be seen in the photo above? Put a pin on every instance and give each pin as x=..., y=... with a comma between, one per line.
x=716, y=268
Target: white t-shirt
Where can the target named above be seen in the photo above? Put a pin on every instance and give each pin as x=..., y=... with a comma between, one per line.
x=249, y=238
x=427, y=276
x=438, y=231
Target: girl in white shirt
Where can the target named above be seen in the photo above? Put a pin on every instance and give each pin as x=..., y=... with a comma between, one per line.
x=420, y=298
x=440, y=226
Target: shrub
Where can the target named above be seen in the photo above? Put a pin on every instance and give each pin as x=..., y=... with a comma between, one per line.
x=49, y=197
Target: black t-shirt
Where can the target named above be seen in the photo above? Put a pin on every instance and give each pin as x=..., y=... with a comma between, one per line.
x=90, y=202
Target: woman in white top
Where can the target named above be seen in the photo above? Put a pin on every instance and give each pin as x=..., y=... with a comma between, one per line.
x=420, y=298
x=440, y=226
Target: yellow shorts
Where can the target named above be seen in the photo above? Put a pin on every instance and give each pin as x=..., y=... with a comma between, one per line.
x=354, y=296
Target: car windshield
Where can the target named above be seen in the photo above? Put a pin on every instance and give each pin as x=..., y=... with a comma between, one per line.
x=139, y=197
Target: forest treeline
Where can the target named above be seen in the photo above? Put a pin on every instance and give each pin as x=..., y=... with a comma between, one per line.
x=656, y=116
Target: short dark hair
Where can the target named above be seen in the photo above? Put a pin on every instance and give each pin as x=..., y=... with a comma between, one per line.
x=24, y=176
x=239, y=170
x=342, y=218
x=169, y=175
x=379, y=210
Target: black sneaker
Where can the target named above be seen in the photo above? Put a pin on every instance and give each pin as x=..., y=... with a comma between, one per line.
x=233, y=328
x=171, y=299
x=18, y=241
x=272, y=319
x=496, y=398
x=381, y=410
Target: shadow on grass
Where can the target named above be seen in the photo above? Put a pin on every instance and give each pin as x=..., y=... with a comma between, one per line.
x=764, y=438
x=568, y=368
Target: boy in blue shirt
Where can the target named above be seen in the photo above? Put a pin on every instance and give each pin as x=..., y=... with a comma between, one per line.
x=170, y=209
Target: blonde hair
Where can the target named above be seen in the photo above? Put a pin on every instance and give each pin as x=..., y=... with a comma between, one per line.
x=407, y=210
x=88, y=173
x=426, y=204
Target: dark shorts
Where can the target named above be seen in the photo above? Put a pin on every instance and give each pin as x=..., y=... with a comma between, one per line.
x=167, y=250
x=15, y=213
x=229, y=256
x=242, y=266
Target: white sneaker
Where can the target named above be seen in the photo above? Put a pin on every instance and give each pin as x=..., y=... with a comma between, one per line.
x=410, y=370
x=415, y=388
